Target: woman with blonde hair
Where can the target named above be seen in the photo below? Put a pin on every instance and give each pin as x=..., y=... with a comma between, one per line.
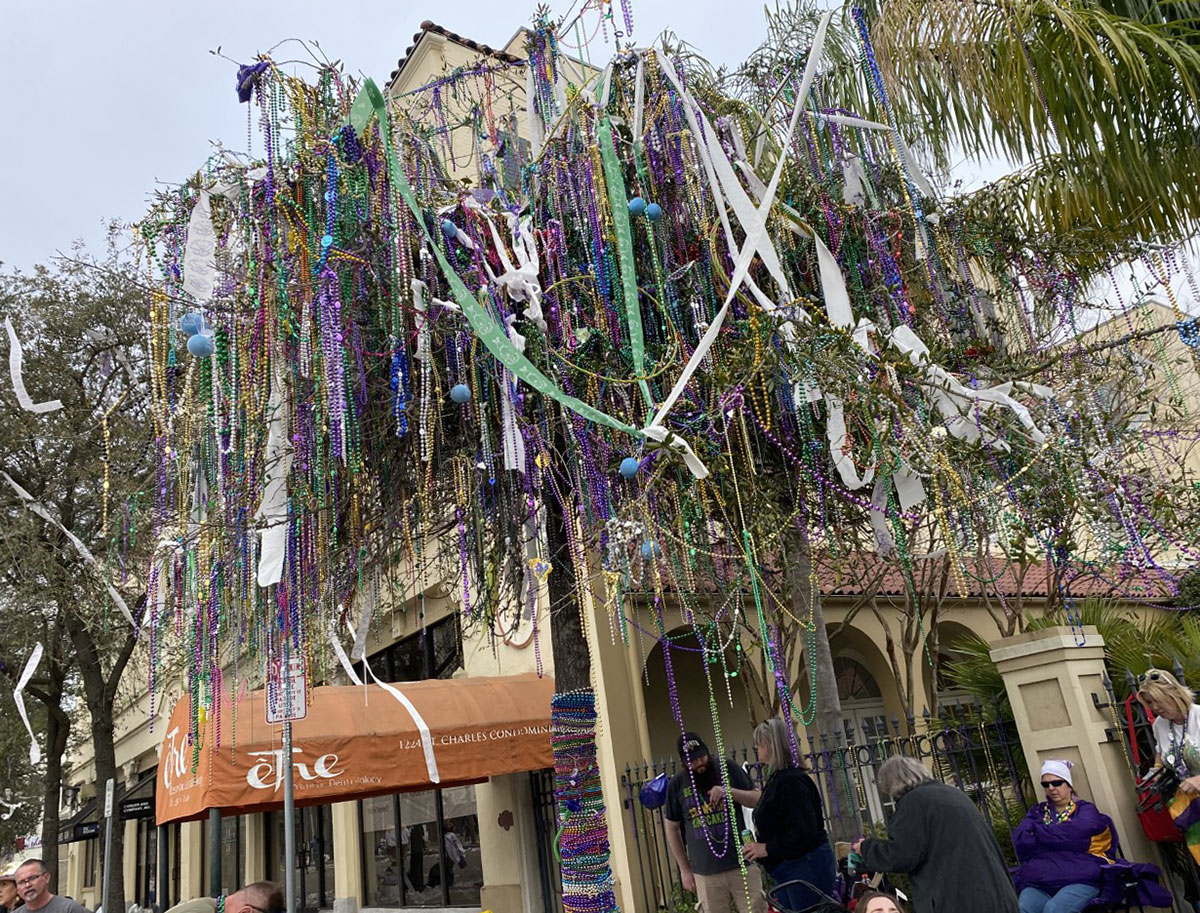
x=792, y=845
x=1177, y=746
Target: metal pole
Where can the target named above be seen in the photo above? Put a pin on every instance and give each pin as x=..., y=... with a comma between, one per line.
x=289, y=821
x=108, y=825
x=214, y=853
x=162, y=896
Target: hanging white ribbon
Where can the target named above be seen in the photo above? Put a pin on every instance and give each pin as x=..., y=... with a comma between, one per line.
x=200, y=252
x=422, y=727
x=272, y=511
x=753, y=222
x=35, y=751
x=639, y=100
x=340, y=652
x=16, y=359
x=36, y=507
x=533, y=120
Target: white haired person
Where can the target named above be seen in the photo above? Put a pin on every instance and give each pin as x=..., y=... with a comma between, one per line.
x=1177, y=746
x=1063, y=844
x=938, y=838
x=792, y=844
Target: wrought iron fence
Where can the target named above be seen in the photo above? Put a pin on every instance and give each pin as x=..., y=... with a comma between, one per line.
x=982, y=757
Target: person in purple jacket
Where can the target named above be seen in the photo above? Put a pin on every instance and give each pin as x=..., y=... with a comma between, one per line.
x=1063, y=844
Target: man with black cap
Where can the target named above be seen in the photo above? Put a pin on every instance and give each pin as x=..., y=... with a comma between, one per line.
x=704, y=837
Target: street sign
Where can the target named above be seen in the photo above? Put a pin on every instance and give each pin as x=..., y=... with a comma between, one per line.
x=287, y=691
x=108, y=797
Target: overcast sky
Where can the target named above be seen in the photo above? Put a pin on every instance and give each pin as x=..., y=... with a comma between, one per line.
x=101, y=99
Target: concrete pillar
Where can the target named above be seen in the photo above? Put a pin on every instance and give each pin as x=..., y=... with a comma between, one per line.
x=130, y=860
x=255, y=860
x=191, y=861
x=508, y=846
x=1050, y=676
x=347, y=854
x=75, y=856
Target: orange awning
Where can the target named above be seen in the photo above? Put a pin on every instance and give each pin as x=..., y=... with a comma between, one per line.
x=356, y=742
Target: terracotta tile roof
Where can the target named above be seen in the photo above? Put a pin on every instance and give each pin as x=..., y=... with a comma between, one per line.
x=995, y=576
x=429, y=26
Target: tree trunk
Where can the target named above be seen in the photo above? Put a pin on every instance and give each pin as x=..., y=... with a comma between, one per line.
x=100, y=696
x=572, y=661
x=58, y=729
x=838, y=778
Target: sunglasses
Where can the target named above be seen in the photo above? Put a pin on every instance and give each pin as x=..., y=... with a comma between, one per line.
x=1152, y=676
x=1053, y=784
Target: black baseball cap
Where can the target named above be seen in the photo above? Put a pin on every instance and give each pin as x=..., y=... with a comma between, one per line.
x=692, y=746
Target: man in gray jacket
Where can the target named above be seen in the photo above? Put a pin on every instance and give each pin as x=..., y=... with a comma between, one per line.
x=939, y=839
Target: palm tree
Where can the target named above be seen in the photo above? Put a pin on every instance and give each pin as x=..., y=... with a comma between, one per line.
x=1096, y=100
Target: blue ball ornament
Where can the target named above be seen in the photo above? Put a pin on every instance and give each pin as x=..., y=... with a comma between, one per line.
x=460, y=393
x=201, y=345
x=192, y=323
x=327, y=241
x=449, y=229
x=653, y=212
x=630, y=467
x=637, y=206
x=650, y=550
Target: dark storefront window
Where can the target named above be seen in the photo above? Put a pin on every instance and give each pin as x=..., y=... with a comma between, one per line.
x=314, y=855
x=433, y=653
x=421, y=849
x=410, y=839
x=233, y=857
x=147, y=863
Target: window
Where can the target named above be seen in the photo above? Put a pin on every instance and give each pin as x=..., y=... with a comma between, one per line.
x=233, y=859
x=91, y=861
x=421, y=849
x=434, y=652
x=314, y=855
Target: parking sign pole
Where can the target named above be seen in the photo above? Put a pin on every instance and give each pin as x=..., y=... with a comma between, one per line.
x=289, y=820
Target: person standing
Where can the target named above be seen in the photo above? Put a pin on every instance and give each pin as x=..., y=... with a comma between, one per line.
x=792, y=843
x=33, y=885
x=9, y=899
x=702, y=835
x=940, y=840
x=1177, y=746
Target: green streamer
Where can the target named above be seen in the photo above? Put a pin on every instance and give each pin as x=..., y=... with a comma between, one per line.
x=485, y=327
x=618, y=201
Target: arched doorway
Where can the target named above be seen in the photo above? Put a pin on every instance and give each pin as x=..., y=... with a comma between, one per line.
x=688, y=686
x=864, y=715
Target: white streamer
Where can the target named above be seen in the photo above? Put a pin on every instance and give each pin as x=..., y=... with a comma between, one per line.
x=422, y=727
x=16, y=358
x=35, y=751
x=199, y=256
x=340, y=652
x=272, y=510
x=36, y=507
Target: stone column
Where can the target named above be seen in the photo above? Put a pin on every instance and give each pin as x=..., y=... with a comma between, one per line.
x=1050, y=676
x=347, y=856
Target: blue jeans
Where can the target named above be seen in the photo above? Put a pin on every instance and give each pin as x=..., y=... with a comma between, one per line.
x=816, y=867
x=1071, y=899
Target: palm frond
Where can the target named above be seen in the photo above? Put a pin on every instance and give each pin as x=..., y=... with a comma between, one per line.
x=1102, y=102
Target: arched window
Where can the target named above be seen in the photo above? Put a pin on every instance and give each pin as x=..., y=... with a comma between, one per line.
x=854, y=682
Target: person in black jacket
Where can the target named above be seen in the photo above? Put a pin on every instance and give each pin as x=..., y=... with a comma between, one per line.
x=938, y=837
x=791, y=831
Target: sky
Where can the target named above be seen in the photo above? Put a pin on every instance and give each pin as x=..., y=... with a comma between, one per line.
x=104, y=99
